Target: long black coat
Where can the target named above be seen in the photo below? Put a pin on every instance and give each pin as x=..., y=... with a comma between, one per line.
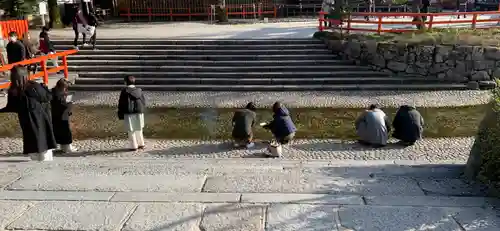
x=32, y=109
x=16, y=52
x=408, y=124
x=61, y=111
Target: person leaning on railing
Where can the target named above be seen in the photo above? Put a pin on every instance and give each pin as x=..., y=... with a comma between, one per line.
x=46, y=45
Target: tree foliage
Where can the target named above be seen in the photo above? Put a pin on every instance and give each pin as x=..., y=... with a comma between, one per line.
x=54, y=13
x=18, y=8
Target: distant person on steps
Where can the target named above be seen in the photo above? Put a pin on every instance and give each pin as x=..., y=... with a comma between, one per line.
x=372, y=127
x=93, y=22
x=47, y=46
x=408, y=125
x=61, y=106
x=131, y=107
x=79, y=26
x=243, y=122
x=16, y=51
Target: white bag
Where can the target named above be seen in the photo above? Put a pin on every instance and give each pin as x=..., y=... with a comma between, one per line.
x=275, y=149
x=87, y=30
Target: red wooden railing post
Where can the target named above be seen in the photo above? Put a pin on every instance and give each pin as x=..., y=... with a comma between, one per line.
x=348, y=23
x=379, y=26
x=275, y=11
x=171, y=15
x=474, y=20
x=149, y=14
x=129, y=15
x=320, y=27
x=43, y=66
x=65, y=66
x=431, y=19
x=243, y=11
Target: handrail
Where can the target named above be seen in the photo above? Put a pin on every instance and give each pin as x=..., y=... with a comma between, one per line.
x=430, y=22
x=44, y=73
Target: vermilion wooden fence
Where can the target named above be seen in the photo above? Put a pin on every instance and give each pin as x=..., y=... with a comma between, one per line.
x=44, y=73
x=19, y=26
x=346, y=24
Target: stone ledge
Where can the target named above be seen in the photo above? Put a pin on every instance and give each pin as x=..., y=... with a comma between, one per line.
x=436, y=201
x=292, y=198
x=447, y=63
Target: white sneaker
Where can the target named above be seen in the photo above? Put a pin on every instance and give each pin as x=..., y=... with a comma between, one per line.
x=68, y=148
x=236, y=145
x=251, y=145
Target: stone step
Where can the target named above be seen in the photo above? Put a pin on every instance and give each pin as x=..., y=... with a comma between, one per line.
x=210, y=63
x=320, y=87
x=195, y=47
x=259, y=81
x=249, y=68
x=208, y=57
x=297, y=74
x=205, y=52
x=103, y=41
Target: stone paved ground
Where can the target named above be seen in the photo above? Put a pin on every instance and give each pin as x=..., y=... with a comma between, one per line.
x=240, y=194
x=296, y=99
x=446, y=150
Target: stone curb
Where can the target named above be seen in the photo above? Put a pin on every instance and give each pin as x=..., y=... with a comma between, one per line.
x=249, y=198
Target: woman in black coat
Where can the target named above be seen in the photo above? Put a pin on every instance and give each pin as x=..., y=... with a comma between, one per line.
x=30, y=100
x=408, y=125
x=61, y=111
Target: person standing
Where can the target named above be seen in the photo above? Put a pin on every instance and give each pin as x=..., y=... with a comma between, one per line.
x=16, y=51
x=131, y=107
x=30, y=100
x=79, y=26
x=61, y=106
x=243, y=122
x=92, y=29
x=372, y=127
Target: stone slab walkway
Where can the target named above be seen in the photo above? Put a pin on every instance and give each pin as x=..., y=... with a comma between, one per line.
x=358, y=99
x=96, y=193
x=445, y=150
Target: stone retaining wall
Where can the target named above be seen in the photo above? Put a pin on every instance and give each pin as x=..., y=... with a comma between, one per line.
x=454, y=63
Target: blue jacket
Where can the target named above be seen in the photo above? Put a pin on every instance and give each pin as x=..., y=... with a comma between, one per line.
x=282, y=124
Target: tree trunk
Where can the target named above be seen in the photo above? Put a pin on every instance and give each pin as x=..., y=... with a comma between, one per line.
x=54, y=14
x=221, y=11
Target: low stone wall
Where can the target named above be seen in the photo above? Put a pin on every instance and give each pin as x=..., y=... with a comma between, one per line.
x=454, y=63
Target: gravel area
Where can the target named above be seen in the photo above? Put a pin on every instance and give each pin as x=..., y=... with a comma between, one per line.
x=446, y=150
x=359, y=99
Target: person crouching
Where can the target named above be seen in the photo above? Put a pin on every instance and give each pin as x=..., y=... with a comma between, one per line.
x=131, y=107
x=282, y=125
x=408, y=125
x=243, y=122
x=61, y=106
x=372, y=127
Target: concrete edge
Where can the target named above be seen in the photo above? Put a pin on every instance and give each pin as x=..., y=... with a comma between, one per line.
x=250, y=198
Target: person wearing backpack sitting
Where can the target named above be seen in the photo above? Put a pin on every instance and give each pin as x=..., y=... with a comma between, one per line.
x=131, y=107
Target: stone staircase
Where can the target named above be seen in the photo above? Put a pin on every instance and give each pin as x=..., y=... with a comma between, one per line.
x=229, y=65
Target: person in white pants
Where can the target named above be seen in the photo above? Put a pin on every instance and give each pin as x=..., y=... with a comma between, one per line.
x=131, y=105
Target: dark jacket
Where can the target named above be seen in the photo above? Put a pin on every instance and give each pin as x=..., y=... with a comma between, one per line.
x=46, y=45
x=61, y=111
x=282, y=124
x=34, y=117
x=131, y=101
x=243, y=122
x=16, y=52
x=92, y=20
x=408, y=124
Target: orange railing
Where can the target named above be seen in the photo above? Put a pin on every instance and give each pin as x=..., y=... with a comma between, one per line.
x=19, y=26
x=347, y=23
x=242, y=10
x=44, y=73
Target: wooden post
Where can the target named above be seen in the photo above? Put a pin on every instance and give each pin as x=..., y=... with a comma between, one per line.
x=149, y=14
x=43, y=66
x=65, y=65
x=474, y=20
x=379, y=26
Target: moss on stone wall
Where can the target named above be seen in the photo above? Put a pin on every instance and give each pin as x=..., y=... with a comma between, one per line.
x=484, y=160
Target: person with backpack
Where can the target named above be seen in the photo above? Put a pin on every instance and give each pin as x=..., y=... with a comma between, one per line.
x=131, y=107
x=243, y=122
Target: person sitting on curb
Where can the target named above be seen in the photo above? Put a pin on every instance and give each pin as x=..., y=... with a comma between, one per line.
x=131, y=107
x=282, y=125
x=372, y=127
x=243, y=122
x=408, y=125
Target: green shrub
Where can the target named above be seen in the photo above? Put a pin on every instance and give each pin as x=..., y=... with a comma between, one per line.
x=484, y=161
